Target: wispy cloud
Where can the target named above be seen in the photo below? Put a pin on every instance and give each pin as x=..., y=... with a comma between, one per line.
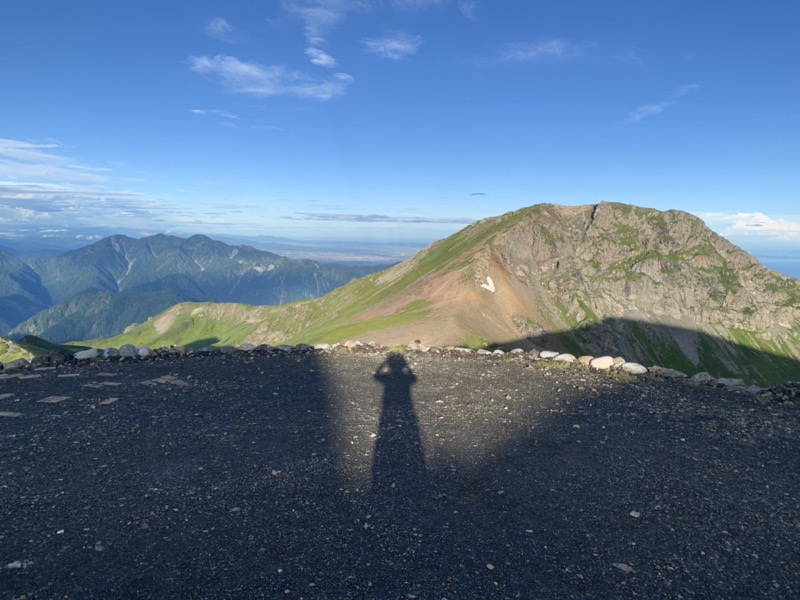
x=543, y=49
x=320, y=57
x=467, y=8
x=656, y=108
x=38, y=184
x=219, y=29
x=374, y=218
x=21, y=160
x=405, y=4
x=752, y=224
x=395, y=46
x=271, y=80
x=320, y=16
x=214, y=112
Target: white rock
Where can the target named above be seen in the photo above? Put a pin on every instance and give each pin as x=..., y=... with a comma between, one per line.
x=483, y=352
x=633, y=368
x=602, y=363
x=585, y=360
x=87, y=354
x=128, y=350
x=701, y=377
x=625, y=568
x=619, y=361
x=548, y=354
x=565, y=357
x=143, y=351
x=517, y=351
x=498, y=352
x=667, y=373
x=322, y=346
x=730, y=382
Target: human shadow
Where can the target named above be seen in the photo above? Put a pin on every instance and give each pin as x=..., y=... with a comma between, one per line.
x=399, y=458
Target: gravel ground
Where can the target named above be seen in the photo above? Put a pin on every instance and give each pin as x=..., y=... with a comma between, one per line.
x=371, y=476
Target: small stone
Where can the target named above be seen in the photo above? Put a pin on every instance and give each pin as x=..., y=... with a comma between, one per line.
x=548, y=354
x=143, y=352
x=247, y=347
x=110, y=353
x=585, y=359
x=490, y=566
x=624, y=567
x=322, y=346
x=635, y=514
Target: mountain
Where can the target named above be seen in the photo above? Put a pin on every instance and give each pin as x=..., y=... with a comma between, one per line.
x=655, y=287
x=99, y=289
x=21, y=292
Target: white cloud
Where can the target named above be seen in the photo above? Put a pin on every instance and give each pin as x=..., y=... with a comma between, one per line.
x=404, y=4
x=320, y=16
x=20, y=160
x=656, y=108
x=219, y=29
x=271, y=80
x=214, y=112
x=320, y=57
x=39, y=184
x=753, y=224
x=394, y=46
x=543, y=49
x=467, y=8
x=371, y=218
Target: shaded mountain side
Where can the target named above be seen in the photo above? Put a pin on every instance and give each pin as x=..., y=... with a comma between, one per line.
x=620, y=272
x=96, y=313
x=21, y=291
x=197, y=269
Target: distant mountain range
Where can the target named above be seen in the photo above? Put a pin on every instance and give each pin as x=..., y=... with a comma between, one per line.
x=97, y=290
x=654, y=287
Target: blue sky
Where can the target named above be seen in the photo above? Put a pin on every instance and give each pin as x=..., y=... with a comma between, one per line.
x=395, y=120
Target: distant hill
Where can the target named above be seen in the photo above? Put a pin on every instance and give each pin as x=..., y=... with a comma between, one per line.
x=656, y=287
x=99, y=289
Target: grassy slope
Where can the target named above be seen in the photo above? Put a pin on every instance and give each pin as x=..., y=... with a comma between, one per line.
x=332, y=318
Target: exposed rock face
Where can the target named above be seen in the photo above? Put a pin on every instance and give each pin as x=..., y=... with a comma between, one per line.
x=659, y=287
x=647, y=284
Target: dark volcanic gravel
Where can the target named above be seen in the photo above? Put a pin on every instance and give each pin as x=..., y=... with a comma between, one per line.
x=314, y=476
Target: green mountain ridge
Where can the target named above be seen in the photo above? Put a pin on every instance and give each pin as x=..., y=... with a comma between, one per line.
x=653, y=286
x=97, y=290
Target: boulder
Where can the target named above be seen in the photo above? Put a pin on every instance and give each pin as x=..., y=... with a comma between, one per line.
x=602, y=363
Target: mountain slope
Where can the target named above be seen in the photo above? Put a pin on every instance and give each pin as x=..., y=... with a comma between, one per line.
x=21, y=291
x=654, y=286
x=74, y=295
